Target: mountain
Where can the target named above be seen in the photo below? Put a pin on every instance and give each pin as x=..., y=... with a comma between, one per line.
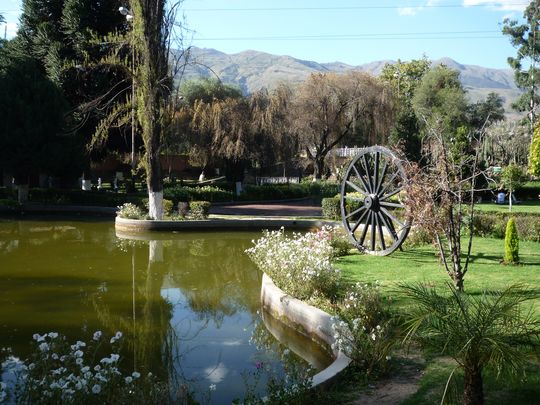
x=253, y=70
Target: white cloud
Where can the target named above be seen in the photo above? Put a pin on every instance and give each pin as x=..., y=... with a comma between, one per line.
x=217, y=373
x=8, y=29
x=510, y=5
x=409, y=10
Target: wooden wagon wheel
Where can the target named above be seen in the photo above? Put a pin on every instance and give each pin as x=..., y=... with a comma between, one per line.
x=372, y=207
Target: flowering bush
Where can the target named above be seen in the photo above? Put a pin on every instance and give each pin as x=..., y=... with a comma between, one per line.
x=130, y=211
x=59, y=372
x=300, y=265
x=338, y=239
x=364, y=330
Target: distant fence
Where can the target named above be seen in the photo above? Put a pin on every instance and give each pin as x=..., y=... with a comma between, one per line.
x=347, y=152
x=277, y=180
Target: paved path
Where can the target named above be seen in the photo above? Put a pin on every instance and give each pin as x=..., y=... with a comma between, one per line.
x=304, y=208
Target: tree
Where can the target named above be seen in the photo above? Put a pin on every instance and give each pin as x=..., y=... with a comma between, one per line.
x=208, y=89
x=404, y=77
x=526, y=39
x=441, y=192
x=512, y=178
x=489, y=331
x=327, y=108
x=32, y=110
x=511, y=243
x=506, y=142
x=486, y=112
x=534, y=152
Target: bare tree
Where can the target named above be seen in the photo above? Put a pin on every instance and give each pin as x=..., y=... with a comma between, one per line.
x=330, y=107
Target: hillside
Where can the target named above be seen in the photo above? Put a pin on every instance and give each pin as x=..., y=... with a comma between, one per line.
x=253, y=70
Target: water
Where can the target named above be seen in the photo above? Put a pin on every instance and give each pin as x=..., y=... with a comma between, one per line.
x=187, y=303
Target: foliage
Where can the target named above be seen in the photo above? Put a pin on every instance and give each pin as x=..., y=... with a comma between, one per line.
x=534, y=152
x=506, y=142
x=526, y=39
x=328, y=108
x=207, y=89
x=512, y=177
x=511, y=243
x=300, y=265
x=331, y=208
x=404, y=77
x=205, y=193
x=339, y=241
x=199, y=209
x=478, y=332
x=364, y=330
x=486, y=112
x=168, y=205
x=32, y=121
x=130, y=211
x=60, y=372
x=493, y=224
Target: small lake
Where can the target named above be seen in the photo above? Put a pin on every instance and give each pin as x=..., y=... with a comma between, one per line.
x=187, y=303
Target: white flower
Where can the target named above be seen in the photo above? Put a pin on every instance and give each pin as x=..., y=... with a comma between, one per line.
x=114, y=357
x=96, y=389
x=85, y=369
x=31, y=366
x=98, y=367
x=129, y=380
x=118, y=335
x=373, y=337
x=53, y=335
x=80, y=344
x=79, y=361
x=135, y=374
x=212, y=387
x=54, y=356
x=78, y=353
x=44, y=347
x=97, y=335
x=38, y=338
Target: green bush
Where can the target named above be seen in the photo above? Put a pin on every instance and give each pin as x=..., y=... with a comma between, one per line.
x=9, y=203
x=511, y=243
x=493, y=224
x=130, y=211
x=79, y=197
x=331, y=208
x=199, y=209
x=206, y=193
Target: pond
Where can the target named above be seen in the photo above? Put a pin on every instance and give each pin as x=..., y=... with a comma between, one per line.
x=187, y=303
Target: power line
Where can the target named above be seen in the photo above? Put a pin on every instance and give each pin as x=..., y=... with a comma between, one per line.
x=494, y=4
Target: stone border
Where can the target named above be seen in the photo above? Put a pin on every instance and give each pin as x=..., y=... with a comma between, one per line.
x=130, y=226
x=308, y=320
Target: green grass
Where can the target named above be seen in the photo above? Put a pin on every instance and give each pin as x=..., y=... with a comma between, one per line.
x=524, y=206
x=420, y=264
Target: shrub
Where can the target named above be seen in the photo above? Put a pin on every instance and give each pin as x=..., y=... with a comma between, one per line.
x=493, y=224
x=511, y=243
x=167, y=205
x=130, y=211
x=9, y=203
x=206, y=193
x=59, y=372
x=364, y=330
x=338, y=239
x=300, y=265
x=331, y=208
x=199, y=209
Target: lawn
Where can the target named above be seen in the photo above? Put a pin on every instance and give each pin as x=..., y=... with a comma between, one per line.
x=524, y=206
x=420, y=264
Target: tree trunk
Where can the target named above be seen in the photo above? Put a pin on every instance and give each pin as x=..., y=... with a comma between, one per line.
x=318, y=167
x=153, y=179
x=473, y=391
x=22, y=193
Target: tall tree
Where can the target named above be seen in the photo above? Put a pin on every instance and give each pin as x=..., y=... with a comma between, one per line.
x=327, y=108
x=534, y=152
x=486, y=112
x=526, y=39
x=404, y=77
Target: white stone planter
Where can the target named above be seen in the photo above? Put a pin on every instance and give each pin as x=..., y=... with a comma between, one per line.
x=308, y=320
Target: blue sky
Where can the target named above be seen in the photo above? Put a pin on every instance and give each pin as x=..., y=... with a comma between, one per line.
x=350, y=31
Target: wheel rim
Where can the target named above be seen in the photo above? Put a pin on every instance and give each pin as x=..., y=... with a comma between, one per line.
x=372, y=207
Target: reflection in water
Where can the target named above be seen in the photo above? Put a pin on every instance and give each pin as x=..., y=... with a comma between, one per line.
x=187, y=303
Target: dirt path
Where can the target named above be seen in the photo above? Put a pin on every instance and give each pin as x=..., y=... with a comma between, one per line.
x=304, y=208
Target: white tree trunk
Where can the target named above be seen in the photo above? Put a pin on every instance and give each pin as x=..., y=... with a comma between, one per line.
x=155, y=204
x=22, y=193
x=155, y=251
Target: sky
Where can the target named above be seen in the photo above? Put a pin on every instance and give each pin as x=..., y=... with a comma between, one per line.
x=350, y=31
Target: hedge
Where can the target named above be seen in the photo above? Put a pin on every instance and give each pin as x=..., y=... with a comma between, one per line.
x=493, y=224
x=199, y=209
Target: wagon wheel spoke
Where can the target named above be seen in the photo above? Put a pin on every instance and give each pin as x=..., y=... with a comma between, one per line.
x=355, y=212
x=392, y=218
x=361, y=179
x=388, y=184
x=364, y=231
x=356, y=188
x=381, y=234
x=376, y=172
x=353, y=230
x=388, y=224
x=381, y=180
x=366, y=168
x=393, y=193
x=391, y=204
x=373, y=230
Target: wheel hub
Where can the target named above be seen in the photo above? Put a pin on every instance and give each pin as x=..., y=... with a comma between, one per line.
x=371, y=202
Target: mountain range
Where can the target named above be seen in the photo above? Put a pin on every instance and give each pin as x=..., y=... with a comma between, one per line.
x=253, y=70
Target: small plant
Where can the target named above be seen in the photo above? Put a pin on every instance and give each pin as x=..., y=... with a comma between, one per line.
x=331, y=208
x=338, y=240
x=130, y=211
x=364, y=330
x=300, y=265
x=511, y=243
x=200, y=209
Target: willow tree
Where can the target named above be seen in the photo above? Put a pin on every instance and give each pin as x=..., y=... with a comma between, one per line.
x=330, y=107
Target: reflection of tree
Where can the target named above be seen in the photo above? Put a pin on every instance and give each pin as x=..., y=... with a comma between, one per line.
x=211, y=274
